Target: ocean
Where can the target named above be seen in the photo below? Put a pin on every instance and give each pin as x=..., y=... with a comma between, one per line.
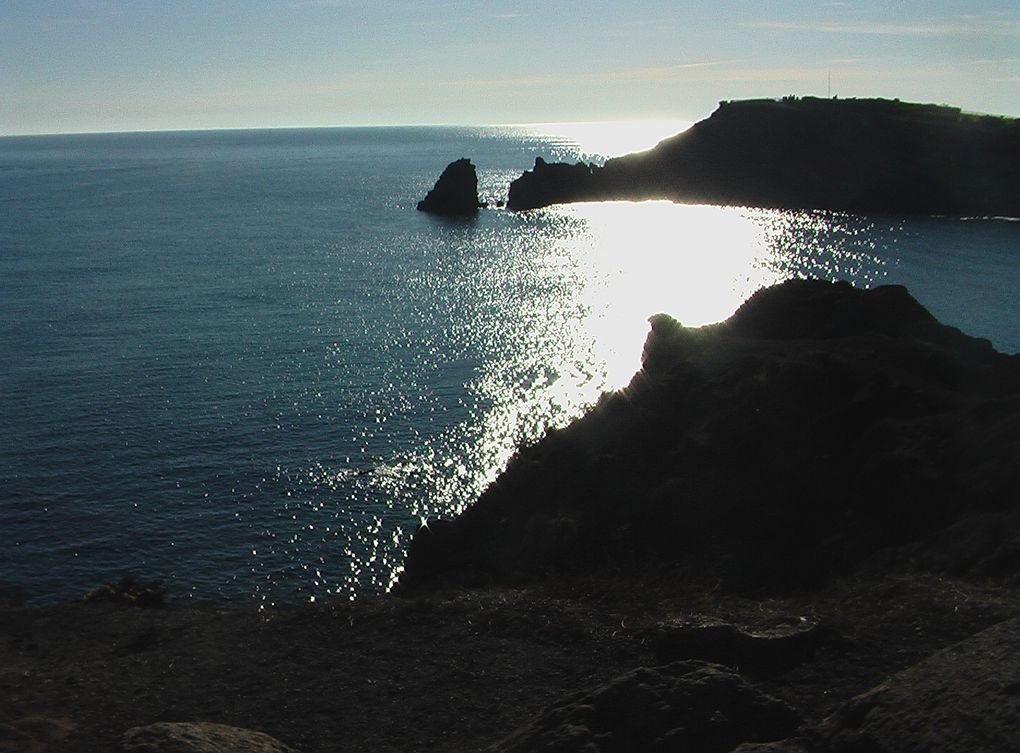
x=242, y=364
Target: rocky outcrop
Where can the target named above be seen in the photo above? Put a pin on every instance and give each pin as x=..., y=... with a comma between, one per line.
x=680, y=707
x=868, y=155
x=822, y=429
x=964, y=699
x=759, y=652
x=199, y=737
x=555, y=183
x=455, y=193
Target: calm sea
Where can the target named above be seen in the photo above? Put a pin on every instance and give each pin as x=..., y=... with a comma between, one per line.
x=243, y=364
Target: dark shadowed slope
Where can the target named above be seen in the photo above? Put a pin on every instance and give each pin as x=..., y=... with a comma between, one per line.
x=820, y=429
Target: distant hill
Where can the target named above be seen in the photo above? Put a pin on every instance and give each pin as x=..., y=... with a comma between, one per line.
x=865, y=155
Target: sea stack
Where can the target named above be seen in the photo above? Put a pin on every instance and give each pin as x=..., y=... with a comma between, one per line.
x=455, y=193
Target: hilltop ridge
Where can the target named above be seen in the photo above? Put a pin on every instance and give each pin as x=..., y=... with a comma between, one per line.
x=865, y=155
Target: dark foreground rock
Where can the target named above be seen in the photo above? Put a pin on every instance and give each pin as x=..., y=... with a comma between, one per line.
x=459, y=671
x=868, y=155
x=686, y=706
x=199, y=737
x=963, y=699
x=765, y=651
x=34, y=734
x=455, y=193
x=821, y=430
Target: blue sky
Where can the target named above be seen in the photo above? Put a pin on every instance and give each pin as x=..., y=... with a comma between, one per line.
x=102, y=65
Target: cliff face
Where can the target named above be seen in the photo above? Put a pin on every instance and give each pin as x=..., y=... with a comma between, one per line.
x=819, y=428
x=853, y=155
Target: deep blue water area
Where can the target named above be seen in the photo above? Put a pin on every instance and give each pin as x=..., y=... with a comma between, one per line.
x=242, y=363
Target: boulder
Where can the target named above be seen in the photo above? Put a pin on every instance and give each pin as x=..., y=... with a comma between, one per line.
x=685, y=706
x=963, y=699
x=782, y=746
x=455, y=193
x=199, y=737
x=762, y=651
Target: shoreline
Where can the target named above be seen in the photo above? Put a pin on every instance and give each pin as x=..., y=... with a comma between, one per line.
x=690, y=552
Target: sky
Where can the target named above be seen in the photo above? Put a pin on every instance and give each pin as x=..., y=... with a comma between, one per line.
x=125, y=65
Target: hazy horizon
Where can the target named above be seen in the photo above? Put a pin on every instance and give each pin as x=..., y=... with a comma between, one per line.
x=107, y=66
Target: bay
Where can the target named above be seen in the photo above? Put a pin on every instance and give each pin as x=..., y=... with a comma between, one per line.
x=240, y=362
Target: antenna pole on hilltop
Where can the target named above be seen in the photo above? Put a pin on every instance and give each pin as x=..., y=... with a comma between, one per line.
x=828, y=88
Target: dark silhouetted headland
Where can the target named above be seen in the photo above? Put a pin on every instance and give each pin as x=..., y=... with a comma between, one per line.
x=863, y=155
x=820, y=427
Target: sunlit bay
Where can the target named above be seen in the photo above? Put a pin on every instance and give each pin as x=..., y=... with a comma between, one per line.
x=242, y=362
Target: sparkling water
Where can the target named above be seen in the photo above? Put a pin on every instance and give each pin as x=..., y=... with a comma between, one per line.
x=243, y=364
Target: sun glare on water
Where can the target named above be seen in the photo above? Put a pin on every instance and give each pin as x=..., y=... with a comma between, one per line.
x=697, y=263
x=614, y=137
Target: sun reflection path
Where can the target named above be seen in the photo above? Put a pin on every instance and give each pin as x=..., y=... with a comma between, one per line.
x=531, y=316
x=611, y=266
x=696, y=263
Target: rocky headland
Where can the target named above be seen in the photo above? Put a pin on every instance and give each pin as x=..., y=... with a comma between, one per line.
x=794, y=531
x=861, y=155
x=821, y=429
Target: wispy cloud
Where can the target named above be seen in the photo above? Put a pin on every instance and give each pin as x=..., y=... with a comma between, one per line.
x=865, y=73
x=669, y=72
x=959, y=26
x=994, y=61
x=723, y=70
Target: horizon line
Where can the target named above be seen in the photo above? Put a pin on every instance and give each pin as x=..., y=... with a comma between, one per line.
x=527, y=124
x=217, y=129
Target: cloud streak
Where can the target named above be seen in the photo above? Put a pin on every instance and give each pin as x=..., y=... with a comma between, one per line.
x=684, y=71
x=962, y=26
x=729, y=71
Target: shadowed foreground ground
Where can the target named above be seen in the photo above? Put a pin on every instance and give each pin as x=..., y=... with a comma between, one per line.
x=784, y=511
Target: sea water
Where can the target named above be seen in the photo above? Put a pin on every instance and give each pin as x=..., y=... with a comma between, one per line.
x=241, y=363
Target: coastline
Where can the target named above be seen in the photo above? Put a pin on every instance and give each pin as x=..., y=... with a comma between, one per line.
x=488, y=642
